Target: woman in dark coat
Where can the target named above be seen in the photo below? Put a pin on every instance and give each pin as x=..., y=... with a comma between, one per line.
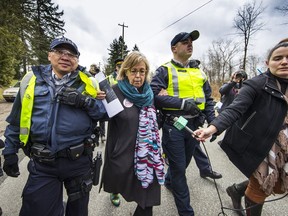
x=133, y=165
x=256, y=140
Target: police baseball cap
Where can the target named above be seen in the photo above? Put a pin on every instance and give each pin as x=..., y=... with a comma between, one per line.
x=65, y=41
x=184, y=35
x=118, y=61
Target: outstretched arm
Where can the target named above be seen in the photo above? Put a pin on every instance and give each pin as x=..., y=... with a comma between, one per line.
x=204, y=133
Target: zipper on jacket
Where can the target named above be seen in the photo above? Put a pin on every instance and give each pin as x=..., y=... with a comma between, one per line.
x=248, y=120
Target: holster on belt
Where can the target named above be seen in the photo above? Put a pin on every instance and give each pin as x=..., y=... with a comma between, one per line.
x=169, y=119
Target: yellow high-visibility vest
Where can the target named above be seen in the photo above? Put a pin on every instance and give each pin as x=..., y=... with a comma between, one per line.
x=112, y=80
x=186, y=83
x=27, y=98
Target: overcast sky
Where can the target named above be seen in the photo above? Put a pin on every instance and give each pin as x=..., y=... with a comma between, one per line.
x=93, y=25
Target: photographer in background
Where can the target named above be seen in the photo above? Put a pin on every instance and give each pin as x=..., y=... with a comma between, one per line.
x=229, y=90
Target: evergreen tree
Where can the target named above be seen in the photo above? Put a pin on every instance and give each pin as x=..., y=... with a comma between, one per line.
x=47, y=25
x=11, y=47
x=135, y=48
x=116, y=52
x=26, y=29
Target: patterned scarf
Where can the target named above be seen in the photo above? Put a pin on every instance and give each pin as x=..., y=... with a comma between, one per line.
x=275, y=165
x=147, y=157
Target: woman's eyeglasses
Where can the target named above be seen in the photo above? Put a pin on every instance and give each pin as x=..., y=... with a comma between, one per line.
x=135, y=72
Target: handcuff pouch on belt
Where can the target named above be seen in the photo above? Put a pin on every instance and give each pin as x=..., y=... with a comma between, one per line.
x=74, y=152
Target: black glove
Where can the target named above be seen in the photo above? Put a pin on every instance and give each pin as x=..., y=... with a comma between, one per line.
x=72, y=97
x=10, y=165
x=2, y=144
x=200, y=120
x=191, y=106
x=213, y=138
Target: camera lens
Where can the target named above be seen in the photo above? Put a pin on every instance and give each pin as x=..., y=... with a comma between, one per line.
x=239, y=75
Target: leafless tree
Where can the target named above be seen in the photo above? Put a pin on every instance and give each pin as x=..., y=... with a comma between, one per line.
x=220, y=60
x=253, y=61
x=247, y=22
x=284, y=10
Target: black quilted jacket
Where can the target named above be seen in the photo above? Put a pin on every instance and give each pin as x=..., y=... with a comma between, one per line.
x=253, y=122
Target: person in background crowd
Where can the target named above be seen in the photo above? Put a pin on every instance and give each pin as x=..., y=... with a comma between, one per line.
x=229, y=90
x=256, y=125
x=189, y=95
x=112, y=78
x=133, y=164
x=52, y=121
x=94, y=69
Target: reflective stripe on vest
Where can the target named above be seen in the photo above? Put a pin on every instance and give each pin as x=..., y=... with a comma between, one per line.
x=26, y=111
x=28, y=101
x=186, y=83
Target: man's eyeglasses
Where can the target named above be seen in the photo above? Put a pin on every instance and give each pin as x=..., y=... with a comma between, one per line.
x=61, y=53
x=135, y=72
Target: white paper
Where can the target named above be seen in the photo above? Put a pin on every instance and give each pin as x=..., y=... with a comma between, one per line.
x=218, y=105
x=111, y=102
x=100, y=76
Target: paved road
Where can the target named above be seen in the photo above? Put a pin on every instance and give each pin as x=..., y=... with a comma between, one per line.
x=204, y=198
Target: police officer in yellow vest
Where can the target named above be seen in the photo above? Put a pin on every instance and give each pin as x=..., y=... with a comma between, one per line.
x=188, y=95
x=112, y=77
x=53, y=121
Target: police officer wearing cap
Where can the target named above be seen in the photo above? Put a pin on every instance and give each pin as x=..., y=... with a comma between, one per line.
x=189, y=96
x=94, y=69
x=112, y=77
x=52, y=119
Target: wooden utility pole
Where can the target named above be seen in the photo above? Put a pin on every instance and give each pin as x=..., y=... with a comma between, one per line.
x=122, y=48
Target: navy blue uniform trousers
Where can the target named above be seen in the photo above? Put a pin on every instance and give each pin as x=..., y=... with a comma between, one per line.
x=43, y=192
x=179, y=147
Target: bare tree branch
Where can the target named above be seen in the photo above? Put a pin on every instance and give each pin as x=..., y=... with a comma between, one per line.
x=247, y=23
